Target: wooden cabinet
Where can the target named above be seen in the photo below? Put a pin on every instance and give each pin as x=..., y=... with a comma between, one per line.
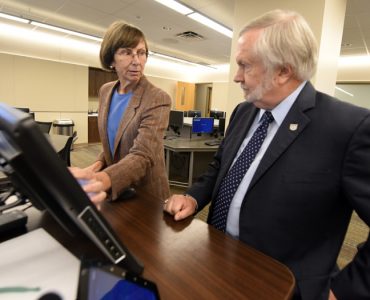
x=93, y=132
x=97, y=77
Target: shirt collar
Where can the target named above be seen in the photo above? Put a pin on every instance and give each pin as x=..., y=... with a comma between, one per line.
x=280, y=111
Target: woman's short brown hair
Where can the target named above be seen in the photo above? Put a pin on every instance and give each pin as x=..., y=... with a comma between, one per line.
x=119, y=35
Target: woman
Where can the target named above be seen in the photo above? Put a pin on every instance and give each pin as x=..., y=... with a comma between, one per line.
x=133, y=115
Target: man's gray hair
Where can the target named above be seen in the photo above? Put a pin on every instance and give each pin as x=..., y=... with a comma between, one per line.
x=286, y=39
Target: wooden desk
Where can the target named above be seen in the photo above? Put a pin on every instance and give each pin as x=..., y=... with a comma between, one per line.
x=185, y=145
x=187, y=259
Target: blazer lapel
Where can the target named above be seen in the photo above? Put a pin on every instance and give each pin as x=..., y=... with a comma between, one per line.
x=129, y=112
x=292, y=126
x=106, y=100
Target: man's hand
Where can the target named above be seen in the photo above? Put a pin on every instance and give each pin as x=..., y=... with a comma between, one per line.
x=180, y=206
x=332, y=296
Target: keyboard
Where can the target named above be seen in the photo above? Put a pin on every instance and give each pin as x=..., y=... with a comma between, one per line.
x=213, y=143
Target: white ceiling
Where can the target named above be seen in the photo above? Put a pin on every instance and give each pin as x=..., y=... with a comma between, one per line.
x=161, y=25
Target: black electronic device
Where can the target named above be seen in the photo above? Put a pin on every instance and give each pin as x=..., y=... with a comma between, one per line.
x=99, y=281
x=12, y=220
x=213, y=143
x=176, y=121
x=24, y=109
x=218, y=133
x=221, y=126
x=217, y=114
x=36, y=171
x=194, y=113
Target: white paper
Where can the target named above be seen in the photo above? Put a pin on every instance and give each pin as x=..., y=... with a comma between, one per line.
x=36, y=259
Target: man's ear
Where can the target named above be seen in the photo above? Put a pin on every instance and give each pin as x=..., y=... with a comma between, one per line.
x=284, y=73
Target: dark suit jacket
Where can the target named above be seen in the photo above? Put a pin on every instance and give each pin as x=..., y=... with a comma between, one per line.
x=138, y=159
x=299, y=203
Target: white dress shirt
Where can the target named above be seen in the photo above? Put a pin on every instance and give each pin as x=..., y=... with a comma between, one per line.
x=279, y=113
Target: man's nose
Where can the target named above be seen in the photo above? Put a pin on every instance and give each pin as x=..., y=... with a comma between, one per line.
x=238, y=76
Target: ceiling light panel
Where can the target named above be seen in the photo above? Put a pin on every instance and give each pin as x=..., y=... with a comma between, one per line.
x=211, y=24
x=13, y=18
x=182, y=9
x=67, y=31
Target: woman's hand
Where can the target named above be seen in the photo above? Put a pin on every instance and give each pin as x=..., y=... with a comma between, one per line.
x=95, y=167
x=90, y=184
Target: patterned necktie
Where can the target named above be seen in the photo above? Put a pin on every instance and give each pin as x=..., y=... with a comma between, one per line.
x=231, y=181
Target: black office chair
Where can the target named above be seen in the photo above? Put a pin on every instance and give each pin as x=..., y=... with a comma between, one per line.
x=65, y=153
x=75, y=137
x=44, y=126
x=194, y=113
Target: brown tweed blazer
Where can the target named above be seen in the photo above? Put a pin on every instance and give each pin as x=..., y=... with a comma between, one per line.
x=138, y=159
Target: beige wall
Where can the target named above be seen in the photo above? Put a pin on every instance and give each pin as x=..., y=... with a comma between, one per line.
x=356, y=93
x=52, y=90
x=359, y=72
x=168, y=85
x=220, y=95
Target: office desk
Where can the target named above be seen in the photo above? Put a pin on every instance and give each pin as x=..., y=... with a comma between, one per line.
x=185, y=145
x=187, y=259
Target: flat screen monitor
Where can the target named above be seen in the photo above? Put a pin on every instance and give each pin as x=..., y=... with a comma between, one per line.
x=194, y=113
x=27, y=110
x=202, y=125
x=24, y=109
x=217, y=114
x=176, y=120
x=36, y=171
x=221, y=126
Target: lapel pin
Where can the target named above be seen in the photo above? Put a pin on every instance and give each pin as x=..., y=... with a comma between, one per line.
x=293, y=127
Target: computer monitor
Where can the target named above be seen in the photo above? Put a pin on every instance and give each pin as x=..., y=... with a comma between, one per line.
x=36, y=171
x=217, y=114
x=24, y=109
x=176, y=120
x=221, y=126
x=27, y=110
x=194, y=113
x=202, y=125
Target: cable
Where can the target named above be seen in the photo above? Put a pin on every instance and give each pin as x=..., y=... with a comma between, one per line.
x=20, y=201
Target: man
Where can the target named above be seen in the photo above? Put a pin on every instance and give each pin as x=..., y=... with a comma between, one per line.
x=305, y=167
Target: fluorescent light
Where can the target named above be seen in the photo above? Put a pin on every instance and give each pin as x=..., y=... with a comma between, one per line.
x=182, y=9
x=47, y=26
x=14, y=18
x=168, y=57
x=67, y=31
x=343, y=91
x=211, y=24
